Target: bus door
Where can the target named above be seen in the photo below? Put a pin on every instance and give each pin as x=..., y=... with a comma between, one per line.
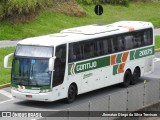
x=59, y=70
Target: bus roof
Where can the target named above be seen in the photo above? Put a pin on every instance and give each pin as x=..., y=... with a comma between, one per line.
x=86, y=32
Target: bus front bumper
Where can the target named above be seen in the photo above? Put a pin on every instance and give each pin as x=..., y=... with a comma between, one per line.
x=48, y=96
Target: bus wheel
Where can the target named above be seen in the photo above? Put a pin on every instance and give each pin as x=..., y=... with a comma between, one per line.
x=72, y=93
x=136, y=75
x=127, y=79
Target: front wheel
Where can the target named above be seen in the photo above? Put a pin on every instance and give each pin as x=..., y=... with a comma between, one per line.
x=72, y=93
x=127, y=79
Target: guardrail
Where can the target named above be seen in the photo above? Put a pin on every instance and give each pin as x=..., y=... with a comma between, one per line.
x=131, y=99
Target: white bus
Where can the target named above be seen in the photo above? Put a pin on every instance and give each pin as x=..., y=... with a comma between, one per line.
x=81, y=59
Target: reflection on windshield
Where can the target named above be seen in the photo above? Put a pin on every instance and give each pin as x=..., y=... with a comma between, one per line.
x=39, y=72
x=31, y=72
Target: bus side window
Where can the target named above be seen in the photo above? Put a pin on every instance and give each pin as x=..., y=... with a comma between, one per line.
x=120, y=40
x=128, y=42
x=111, y=48
x=89, y=49
x=147, y=37
x=74, y=52
x=138, y=40
x=105, y=44
x=102, y=46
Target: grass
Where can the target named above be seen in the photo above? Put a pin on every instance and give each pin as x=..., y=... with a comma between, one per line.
x=51, y=22
x=5, y=73
x=157, y=42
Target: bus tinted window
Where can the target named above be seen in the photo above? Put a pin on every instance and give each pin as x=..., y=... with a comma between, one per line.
x=102, y=46
x=147, y=37
x=88, y=49
x=109, y=44
x=128, y=42
x=138, y=40
x=118, y=43
x=75, y=52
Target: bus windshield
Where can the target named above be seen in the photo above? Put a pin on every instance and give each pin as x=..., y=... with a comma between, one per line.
x=30, y=66
x=32, y=72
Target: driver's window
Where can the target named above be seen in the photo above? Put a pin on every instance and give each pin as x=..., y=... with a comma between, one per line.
x=59, y=65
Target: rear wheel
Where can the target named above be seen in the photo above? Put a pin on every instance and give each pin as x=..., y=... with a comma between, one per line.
x=72, y=93
x=136, y=75
x=127, y=79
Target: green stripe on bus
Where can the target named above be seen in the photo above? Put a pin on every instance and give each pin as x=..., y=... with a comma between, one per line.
x=118, y=59
x=115, y=68
x=144, y=52
x=132, y=55
x=89, y=65
x=140, y=53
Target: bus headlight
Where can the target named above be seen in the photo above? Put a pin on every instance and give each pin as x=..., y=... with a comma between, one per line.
x=47, y=90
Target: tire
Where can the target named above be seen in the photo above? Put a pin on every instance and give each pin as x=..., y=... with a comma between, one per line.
x=127, y=79
x=72, y=93
x=136, y=75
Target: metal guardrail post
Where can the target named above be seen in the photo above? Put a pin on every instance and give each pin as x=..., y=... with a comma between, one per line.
x=89, y=109
x=68, y=113
x=109, y=103
x=145, y=81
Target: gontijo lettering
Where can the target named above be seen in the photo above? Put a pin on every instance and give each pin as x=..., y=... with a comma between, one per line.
x=86, y=66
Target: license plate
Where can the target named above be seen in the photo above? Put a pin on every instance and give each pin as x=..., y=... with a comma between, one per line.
x=28, y=96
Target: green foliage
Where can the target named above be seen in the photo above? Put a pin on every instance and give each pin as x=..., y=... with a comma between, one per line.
x=21, y=6
x=120, y=2
x=25, y=6
x=157, y=42
x=88, y=2
x=2, y=13
x=5, y=73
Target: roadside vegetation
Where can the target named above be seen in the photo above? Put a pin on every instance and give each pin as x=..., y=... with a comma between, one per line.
x=5, y=74
x=157, y=42
x=54, y=19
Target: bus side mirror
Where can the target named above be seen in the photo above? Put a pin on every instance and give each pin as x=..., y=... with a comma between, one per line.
x=6, y=59
x=51, y=64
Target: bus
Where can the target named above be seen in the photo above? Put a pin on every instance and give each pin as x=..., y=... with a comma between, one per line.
x=81, y=59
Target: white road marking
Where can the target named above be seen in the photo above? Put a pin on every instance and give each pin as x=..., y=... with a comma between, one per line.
x=5, y=93
x=6, y=101
x=156, y=59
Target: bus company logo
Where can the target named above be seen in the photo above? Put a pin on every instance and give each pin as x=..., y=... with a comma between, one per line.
x=76, y=68
x=86, y=66
x=72, y=69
